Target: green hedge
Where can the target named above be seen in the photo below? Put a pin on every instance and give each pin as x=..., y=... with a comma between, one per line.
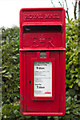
x=10, y=74
x=72, y=71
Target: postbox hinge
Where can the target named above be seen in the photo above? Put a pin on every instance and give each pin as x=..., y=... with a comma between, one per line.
x=21, y=97
x=26, y=108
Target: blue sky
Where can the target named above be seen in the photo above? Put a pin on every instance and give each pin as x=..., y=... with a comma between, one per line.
x=9, y=9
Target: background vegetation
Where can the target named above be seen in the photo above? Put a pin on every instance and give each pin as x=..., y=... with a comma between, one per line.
x=10, y=74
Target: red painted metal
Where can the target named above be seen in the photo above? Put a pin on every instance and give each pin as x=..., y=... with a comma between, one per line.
x=42, y=30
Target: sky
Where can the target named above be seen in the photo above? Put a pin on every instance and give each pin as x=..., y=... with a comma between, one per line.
x=9, y=9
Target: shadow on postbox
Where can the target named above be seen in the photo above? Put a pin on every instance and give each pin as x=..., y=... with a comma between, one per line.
x=42, y=61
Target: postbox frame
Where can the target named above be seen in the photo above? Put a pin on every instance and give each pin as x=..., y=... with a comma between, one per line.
x=53, y=77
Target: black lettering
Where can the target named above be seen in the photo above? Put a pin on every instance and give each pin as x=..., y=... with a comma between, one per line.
x=42, y=87
x=41, y=67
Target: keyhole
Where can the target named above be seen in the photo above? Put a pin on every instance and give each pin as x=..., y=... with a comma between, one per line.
x=30, y=82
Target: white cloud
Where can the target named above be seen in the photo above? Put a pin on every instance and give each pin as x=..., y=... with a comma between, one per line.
x=9, y=9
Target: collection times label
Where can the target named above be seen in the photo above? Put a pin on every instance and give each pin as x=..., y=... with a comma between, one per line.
x=42, y=79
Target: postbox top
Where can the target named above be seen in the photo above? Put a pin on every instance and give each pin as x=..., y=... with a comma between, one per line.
x=42, y=28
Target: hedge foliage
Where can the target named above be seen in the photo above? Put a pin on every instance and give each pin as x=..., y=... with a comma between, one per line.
x=10, y=74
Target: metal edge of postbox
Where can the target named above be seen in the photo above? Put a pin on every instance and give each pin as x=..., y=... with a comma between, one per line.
x=43, y=113
x=42, y=49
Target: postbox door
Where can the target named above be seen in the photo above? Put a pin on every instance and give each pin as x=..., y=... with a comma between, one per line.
x=35, y=102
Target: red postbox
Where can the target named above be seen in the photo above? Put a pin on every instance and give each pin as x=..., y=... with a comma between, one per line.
x=42, y=61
